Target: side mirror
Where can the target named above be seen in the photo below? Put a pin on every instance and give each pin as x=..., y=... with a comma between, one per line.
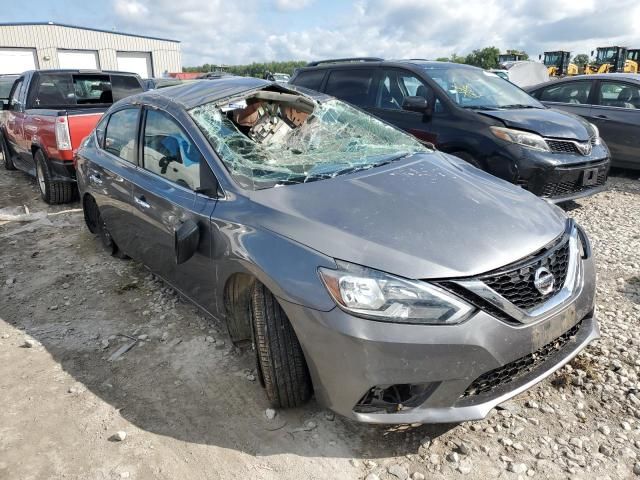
x=415, y=104
x=592, y=53
x=5, y=106
x=539, y=57
x=186, y=239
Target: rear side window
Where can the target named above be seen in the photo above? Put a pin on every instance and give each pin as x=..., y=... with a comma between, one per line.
x=572, y=92
x=121, y=133
x=621, y=95
x=311, y=79
x=124, y=86
x=353, y=86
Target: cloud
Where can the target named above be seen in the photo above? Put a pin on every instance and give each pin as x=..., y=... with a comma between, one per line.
x=218, y=31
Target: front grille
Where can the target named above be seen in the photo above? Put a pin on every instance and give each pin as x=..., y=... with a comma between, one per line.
x=560, y=146
x=559, y=189
x=516, y=283
x=520, y=367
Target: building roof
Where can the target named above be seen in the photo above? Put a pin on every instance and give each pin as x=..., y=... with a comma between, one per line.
x=28, y=24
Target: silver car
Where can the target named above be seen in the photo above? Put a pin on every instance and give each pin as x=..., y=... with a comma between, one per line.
x=396, y=283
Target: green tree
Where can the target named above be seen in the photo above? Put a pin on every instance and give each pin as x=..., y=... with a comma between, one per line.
x=251, y=70
x=581, y=59
x=484, y=58
x=442, y=59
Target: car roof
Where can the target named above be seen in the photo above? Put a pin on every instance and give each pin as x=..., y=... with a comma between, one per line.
x=76, y=70
x=198, y=92
x=633, y=77
x=363, y=62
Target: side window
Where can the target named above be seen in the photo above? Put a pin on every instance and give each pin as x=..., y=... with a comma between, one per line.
x=396, y=84
x=169, y=152
x=572, y=92
x=15, y=96
x=617, y=94
x=311, y=79
x=124, y=86
x=353, y=86
x=120, y=135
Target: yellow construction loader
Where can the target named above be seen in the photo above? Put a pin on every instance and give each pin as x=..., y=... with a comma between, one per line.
x=558, y=64
x=632, y=65
x=608, y=60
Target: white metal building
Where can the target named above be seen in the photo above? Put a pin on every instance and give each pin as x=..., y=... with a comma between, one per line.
x=29, y=46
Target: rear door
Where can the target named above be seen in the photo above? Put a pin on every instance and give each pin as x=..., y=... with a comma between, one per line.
x=111, y=171
x=164, y=198
x=392, y=86
x=573, y=97
x=353, y=85
x=616, y=112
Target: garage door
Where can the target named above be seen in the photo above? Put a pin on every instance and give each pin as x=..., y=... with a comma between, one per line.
x=80, y=59
x=136, y=62
x=17, y=60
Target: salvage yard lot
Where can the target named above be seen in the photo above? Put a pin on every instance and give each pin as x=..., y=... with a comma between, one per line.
x=191, y=405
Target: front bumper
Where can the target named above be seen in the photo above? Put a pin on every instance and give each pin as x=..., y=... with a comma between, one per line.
x=348, y=356
x=557, y=177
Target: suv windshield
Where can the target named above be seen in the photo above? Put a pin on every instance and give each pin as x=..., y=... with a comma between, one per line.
x=269, y=143
x=476, y=88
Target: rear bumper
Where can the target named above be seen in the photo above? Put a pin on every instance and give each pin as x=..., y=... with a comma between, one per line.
x=349, y=356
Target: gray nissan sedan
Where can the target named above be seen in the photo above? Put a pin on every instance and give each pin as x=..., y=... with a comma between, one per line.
x=396, y=283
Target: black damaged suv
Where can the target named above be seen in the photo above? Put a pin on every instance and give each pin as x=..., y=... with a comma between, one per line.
x=475, y=115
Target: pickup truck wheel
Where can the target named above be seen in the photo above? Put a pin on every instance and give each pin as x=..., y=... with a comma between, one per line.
x=281, y=361
x=4, y=148
x=52, y=192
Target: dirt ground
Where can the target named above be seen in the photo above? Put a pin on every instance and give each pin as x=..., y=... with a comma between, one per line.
x=189, y=401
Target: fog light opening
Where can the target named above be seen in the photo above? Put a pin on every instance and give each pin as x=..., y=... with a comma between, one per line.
x=394, y=398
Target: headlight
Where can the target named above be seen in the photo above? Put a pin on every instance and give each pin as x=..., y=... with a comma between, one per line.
x=526, y=139
x=370, y=293
x=595, y=134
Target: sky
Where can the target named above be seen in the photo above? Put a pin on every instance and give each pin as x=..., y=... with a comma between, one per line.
x=244, y=31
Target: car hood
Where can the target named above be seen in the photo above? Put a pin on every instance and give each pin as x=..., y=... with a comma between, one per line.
x=428, y=216
x=544, y=121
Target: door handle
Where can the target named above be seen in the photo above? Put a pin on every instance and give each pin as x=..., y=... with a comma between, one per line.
x=602, y=116
x=95, y=178
x=142, y=201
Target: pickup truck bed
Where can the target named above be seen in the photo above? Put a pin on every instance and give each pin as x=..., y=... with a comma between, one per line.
x=48, y=115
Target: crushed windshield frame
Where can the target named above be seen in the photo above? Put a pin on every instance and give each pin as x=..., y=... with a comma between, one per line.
x=271, y=138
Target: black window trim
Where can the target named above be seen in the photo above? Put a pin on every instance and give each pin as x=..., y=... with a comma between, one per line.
x=597, y=94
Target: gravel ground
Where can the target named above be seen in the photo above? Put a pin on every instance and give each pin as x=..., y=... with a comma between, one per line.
x=184, y=403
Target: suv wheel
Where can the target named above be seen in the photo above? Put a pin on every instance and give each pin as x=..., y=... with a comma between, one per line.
x=52, y=192
x=280, y=358
x=4, y=148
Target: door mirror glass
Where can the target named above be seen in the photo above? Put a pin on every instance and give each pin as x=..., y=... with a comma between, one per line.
x=415, y=104
x=186, y=239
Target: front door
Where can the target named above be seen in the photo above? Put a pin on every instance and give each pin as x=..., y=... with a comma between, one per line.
x=15, y=123
x=573, y=97
x=164, y=198
x=393, y=85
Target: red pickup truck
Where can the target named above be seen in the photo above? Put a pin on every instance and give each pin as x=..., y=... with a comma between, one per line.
x=48, y=114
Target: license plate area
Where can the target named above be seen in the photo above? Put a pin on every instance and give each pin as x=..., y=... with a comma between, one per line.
x=590, y=177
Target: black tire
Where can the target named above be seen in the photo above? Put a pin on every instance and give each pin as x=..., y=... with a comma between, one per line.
x=53, y=192
x=467, y=157
x=280, y=357
x=96, y=225
x=4, y=147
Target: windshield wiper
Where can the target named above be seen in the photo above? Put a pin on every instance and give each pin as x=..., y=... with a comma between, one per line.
x=519, y=105
x=480, y=107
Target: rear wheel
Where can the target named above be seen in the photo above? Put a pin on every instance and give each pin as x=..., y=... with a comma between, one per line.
x=4, y=148
x=280, y=358
x=96, y=225
x=52, y=191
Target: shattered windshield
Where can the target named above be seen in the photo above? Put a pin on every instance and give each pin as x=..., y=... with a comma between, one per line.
x=272, y=138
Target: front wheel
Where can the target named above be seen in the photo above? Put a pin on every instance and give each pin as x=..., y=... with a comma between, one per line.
x=52, y=191
x=280, y=358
